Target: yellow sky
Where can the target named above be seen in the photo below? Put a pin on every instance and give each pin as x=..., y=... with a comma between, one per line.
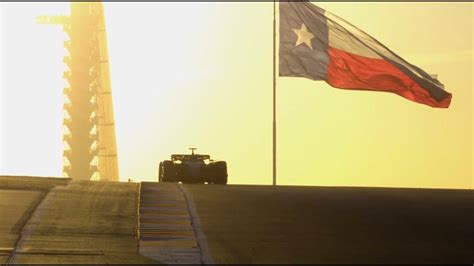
x=199, y=75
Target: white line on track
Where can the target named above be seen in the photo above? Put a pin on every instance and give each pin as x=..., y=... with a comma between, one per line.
x=196, y=223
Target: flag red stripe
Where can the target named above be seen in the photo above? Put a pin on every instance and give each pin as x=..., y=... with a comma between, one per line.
x=350, y=71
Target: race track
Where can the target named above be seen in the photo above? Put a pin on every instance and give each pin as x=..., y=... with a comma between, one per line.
x=264, y=224
x=54, y=220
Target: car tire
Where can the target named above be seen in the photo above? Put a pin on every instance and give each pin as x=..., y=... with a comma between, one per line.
x=160, y=172
x=220, y=173
x=168, y=171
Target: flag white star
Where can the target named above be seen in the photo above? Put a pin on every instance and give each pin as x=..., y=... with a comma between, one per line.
x=304, y=36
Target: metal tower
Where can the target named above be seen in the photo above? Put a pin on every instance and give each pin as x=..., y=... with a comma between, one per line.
x=90, y=151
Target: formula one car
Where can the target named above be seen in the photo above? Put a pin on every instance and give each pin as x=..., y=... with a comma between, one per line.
x=193, y=168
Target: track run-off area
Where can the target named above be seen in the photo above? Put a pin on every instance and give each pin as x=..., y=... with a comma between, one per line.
x=55, y=220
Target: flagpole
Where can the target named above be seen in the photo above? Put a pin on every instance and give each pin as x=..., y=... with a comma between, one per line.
x=274, y=94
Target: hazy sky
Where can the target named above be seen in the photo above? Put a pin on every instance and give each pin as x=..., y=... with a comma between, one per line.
x=200, y=75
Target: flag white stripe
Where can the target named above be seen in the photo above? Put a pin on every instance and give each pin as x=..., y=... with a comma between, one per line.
x=347, y=37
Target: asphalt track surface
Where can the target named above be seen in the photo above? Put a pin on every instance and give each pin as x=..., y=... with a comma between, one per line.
x=15, y=208
x=80, y=222
x=19, y=197
x=63, y=221
x=264, y=224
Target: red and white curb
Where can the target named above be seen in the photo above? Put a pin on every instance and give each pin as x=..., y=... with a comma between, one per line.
x=165, y=225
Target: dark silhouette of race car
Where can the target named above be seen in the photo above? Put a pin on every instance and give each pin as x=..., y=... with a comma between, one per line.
x=193, y=168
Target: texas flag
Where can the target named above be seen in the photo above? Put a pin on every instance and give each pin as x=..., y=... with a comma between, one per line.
x=318, y=45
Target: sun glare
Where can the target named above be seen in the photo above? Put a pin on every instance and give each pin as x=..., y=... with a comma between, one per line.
x=200, y=75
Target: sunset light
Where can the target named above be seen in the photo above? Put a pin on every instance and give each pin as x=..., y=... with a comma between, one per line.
x=200, y=75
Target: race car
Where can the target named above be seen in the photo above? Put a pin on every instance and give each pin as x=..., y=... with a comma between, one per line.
x=193, y=168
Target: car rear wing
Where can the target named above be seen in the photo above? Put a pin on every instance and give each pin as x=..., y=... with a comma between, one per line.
x=185, y=157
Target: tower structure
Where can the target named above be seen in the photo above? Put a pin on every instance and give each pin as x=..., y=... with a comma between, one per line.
x=89, y=144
